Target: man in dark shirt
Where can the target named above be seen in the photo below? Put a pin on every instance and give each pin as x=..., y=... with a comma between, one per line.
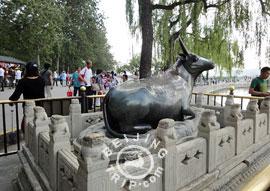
x=258, y=86
x=46, y=74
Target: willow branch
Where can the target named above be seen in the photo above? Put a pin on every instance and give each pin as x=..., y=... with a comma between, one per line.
x=263, y=8
x=173, y=5
x=206, y=6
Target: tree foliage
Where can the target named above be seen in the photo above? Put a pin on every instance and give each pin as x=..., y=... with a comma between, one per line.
x=29, y=28
x=69, y=30
x=132, y=66
x=220, y=30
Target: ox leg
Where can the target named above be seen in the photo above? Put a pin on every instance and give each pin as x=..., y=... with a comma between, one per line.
x=142, y=128
x=188, y=114
x=131, y=129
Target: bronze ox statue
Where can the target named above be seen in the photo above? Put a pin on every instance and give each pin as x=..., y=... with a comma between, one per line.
x=137, y=106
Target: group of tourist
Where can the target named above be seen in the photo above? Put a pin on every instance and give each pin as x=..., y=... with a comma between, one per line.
x=9, y=77
x=39, y=84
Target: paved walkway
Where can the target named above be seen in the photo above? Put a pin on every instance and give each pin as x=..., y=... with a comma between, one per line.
x=10, y=165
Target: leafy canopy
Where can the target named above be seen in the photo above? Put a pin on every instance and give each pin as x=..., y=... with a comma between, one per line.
x=219, y=30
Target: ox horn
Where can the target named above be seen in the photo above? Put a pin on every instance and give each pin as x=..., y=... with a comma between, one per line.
x=185, y=51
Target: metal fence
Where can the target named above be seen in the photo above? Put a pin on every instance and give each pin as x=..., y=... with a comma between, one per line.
x=220, y=99
x=10, y=136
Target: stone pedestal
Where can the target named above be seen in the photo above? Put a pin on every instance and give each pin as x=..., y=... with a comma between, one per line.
x=28, y=117
x=59, y=139
x=75, y=118
x=93, y=164
x=207, y=129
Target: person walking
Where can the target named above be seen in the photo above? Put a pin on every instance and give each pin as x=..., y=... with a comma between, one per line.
x=46, y=74
x=87, y=75
x=63, y=78
x=18, y=75
x=11, y=77
x=75, y=81
x=2, y=77
x=55, y=77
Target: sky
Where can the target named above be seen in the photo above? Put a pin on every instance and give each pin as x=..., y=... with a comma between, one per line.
x=118, y=34
x=124, y=45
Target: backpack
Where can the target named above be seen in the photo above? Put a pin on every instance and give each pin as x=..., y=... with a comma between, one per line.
x=47, y=81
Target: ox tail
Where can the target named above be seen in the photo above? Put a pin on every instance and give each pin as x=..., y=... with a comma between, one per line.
x=108, y=116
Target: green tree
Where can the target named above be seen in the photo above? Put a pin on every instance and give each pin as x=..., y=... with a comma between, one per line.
x=67, y=32
x=191, y=19
x=30, y=28
x=85, y=36
x=133, y=65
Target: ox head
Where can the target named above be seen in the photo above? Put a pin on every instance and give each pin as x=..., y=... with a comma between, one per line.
x=194, y=64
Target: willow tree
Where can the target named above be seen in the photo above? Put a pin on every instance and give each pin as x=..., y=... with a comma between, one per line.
x=207, y=28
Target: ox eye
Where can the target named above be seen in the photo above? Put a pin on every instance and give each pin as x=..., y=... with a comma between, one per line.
x=195, y=59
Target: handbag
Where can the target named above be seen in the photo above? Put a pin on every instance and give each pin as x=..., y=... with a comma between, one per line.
x=69, y=92
x=79, y=79
x=96, y=87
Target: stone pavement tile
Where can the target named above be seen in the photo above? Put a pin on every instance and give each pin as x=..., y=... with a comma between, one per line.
x=6, y=186
x=9, y=167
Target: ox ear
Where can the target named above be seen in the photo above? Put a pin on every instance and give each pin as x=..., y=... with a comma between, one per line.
x=185, y=51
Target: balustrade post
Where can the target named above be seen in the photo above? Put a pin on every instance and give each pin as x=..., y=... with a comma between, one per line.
x=28, y=117
x=93, y=164
x=84, y=106
x=243, y=128
x=41, y=123
x=59, y=139
x=227, y=109
x=265, y=108
x=208, y=127
x=75, y=118
x=259, y=119
x=200, y=99
x=167, y=136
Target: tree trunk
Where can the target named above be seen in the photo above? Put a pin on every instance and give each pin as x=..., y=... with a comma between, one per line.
x=57, y=62
x=147, y=38
x=38, y=59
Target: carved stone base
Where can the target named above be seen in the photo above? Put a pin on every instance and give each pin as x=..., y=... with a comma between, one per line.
x=31, y=177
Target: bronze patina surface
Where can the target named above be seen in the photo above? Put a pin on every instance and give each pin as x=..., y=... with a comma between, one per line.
x=137, y=106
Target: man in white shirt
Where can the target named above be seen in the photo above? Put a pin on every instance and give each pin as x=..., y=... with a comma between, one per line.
x=18, y=74
x=2, y=74
x=87, y=74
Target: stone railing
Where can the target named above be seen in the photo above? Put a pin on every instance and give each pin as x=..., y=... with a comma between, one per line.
x=76, y=121
x=212, y=159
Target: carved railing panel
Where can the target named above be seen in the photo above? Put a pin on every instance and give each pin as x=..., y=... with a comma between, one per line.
x=225, y=144
x=67, y=171
x=190, y=161
x=43, y=152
